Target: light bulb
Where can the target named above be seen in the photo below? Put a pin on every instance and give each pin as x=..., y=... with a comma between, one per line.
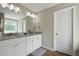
x=28, y=14
x=31, y=15
x=34, y=16
x=11, y=7
x=17, y=9
x=4, y=5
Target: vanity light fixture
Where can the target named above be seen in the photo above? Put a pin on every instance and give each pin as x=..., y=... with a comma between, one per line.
x=34, y=16
x=10, y=6
x=30, y=14
x=4, y=5
x=17, y=9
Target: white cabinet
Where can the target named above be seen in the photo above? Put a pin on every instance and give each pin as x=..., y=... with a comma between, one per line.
x=19, y=49
x=29, y=45
x=36, y=42
x=21, y=46
x=6, y=50
x=33, y=43
x=39, y=40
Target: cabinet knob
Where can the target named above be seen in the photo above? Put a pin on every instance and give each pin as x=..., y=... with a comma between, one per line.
x=16, y=45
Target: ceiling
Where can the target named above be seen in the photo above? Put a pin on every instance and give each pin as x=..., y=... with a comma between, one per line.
x=37, y=7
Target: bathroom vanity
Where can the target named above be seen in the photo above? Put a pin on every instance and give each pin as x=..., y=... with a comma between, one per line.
x=20, y=46
x=11, y=23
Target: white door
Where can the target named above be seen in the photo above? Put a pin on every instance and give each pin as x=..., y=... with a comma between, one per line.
x=63, y=30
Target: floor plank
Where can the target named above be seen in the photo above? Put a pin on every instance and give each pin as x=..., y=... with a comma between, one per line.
x=53, y=53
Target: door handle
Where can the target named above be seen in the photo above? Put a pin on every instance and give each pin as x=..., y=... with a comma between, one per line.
x=56, y=33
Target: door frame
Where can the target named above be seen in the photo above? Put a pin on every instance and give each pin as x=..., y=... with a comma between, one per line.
x=74, y=28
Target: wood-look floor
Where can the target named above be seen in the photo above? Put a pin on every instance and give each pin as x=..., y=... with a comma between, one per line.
x=53, y=53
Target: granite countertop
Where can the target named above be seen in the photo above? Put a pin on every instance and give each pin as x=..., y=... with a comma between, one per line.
x=19, y=36
x=15, y=39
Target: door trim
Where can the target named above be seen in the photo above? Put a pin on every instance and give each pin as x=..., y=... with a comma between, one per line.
x=74, y=30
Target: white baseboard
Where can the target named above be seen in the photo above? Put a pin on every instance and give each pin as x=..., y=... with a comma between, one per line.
x=49, y=48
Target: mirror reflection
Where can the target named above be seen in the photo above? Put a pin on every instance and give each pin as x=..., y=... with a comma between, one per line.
x=14, y=20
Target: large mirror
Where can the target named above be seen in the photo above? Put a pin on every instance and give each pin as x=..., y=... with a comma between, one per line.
x=13, y=22
x=18, y=22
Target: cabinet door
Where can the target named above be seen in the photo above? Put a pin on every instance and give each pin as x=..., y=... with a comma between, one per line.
x=6, y=50
x=29, y=45
x=36, y=42
x=19, y=49
x=39, y=40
